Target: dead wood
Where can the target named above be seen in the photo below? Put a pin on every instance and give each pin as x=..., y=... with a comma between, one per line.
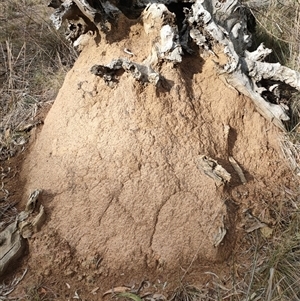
x=209, y=23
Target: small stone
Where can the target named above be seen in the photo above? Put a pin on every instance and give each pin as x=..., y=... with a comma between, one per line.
x=90, y=279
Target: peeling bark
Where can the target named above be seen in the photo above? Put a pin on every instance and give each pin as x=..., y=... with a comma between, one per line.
x=139, y=72
x=12, y=238
x=208, y=23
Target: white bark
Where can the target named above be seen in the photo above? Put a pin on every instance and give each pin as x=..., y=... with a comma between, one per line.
x=207, y=22
x=139, y=72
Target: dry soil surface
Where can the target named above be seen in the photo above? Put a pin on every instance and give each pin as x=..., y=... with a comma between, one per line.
x=124, y=196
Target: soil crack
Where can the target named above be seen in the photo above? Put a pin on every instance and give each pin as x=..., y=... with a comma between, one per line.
x=105, y=210
x=157, y=216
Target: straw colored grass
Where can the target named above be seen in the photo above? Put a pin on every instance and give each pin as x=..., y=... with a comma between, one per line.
x=34, y=59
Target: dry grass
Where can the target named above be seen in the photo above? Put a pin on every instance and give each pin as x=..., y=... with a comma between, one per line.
x=8, y=211
x=278, y=278
x=278, y=27
x=39, y=292
x=275, y=269
x=33, y=61
x=186, y=292
x=7, y=288
x=290, y=146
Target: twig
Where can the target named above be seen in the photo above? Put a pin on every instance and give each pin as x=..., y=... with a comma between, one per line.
x=270, y=282
x=238, y=170
x=186, y=271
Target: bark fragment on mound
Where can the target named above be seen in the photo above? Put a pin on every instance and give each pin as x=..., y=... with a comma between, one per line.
x=12, y=238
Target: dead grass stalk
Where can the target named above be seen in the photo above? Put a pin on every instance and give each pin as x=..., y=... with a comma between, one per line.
x=34, y=58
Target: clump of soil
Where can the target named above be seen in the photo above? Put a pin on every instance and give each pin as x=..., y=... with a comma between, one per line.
x=124, y=196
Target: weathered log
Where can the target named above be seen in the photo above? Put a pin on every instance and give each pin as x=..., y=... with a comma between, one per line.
x=12, y=246
x=209, y=23
x=12, y=238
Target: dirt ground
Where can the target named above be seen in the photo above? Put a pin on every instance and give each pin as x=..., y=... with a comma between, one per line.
x=124, y=196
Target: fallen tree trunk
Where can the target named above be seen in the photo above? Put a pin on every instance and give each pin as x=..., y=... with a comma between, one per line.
x=209, y=24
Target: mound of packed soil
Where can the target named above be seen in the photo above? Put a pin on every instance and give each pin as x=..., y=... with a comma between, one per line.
x=119, y=165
